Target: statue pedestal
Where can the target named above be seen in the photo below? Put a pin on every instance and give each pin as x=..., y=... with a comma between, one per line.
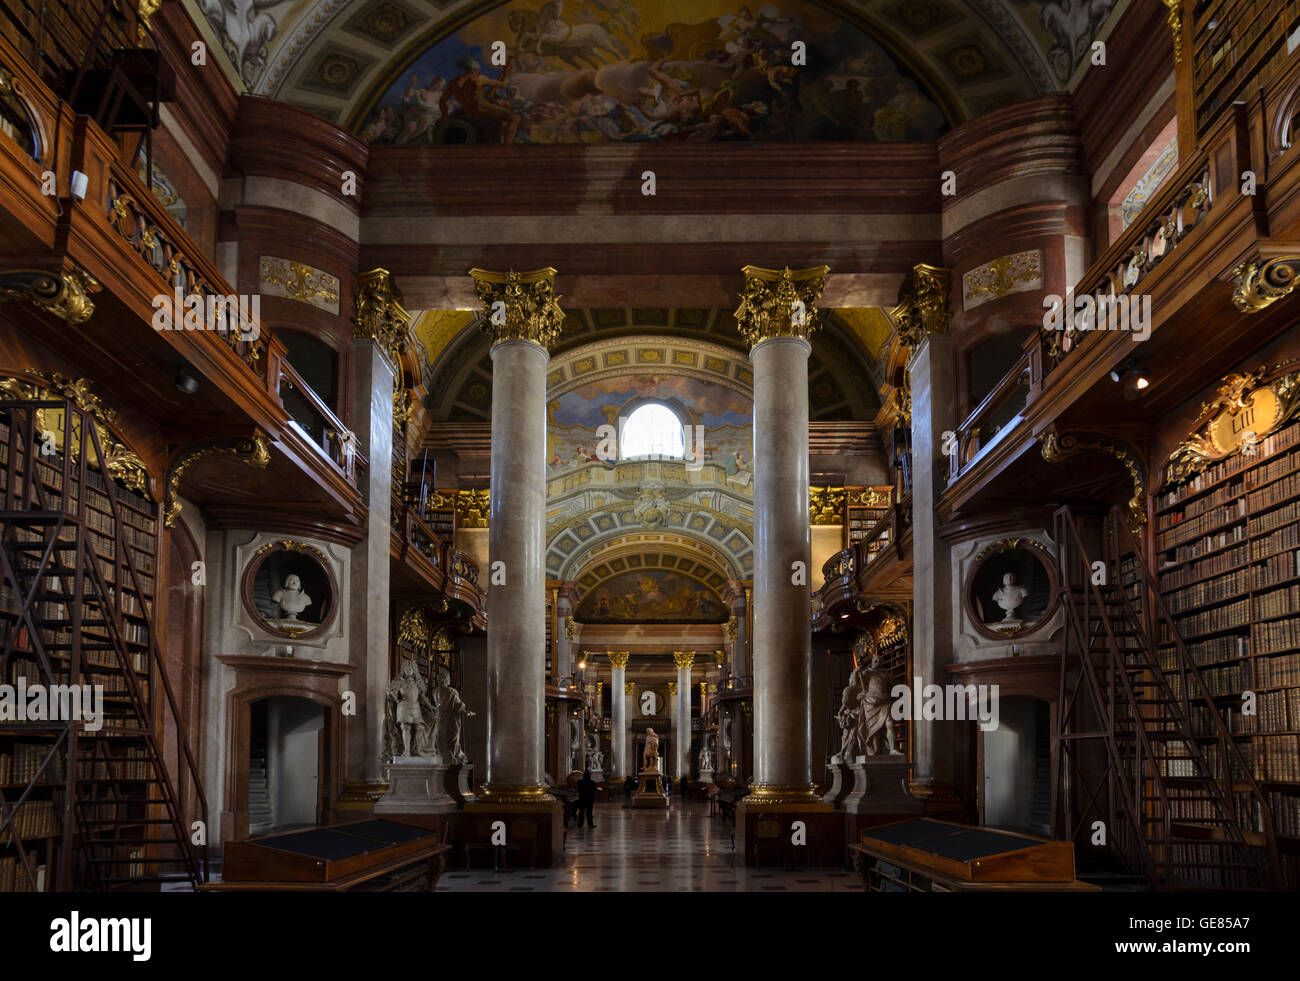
x=838, y=787
x=651, y=790
x=416, y=786
x=706, y=776
x=879, y=786
x=460, y=784
x=597, y=774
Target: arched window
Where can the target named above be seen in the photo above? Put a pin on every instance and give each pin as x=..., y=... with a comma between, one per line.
x=653, y=429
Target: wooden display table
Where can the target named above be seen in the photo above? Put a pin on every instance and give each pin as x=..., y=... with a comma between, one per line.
x=365, y=856
x=923, y=855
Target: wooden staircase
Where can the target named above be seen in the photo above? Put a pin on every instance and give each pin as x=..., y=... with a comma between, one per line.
x=1178, y=802
x=81, y=617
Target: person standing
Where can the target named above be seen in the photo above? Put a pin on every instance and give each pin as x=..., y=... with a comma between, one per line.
x=587, y=799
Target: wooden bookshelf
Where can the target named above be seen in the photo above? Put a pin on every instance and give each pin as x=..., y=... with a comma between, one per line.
x=1228, y=560
x=863, y=507
x=134, y=537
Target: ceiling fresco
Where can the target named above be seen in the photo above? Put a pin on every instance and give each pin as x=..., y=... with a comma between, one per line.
x=344, y=60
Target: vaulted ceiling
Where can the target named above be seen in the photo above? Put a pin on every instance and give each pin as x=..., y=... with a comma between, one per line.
x=338, y=58
x=842, y=372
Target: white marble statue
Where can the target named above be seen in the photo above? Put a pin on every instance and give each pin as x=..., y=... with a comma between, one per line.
x=850, y=719
x=1010, y=597
x=876, y=731
x=595, y=757
x=410, y=717
x=706, y=759
x=290, y=598
x=450, y=713
x=650, y=759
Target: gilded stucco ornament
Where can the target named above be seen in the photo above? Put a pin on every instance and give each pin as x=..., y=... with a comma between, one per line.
x=826, y=505
x=618, y=659
x=380, y=316
x=1245, y=409
x=780, y=302
x=519, y=306
x=120, y=463
x=1261, y=284
x=65, y=294
x=255, y=452
x=923, y=305
x=683, y=659
x=1058, y=447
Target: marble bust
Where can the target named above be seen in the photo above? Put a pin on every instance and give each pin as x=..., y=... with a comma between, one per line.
x=290, y=598
x=1010, y=597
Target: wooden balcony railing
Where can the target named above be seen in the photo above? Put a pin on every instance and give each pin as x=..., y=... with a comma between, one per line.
x=182, y=269
x=316, y=419
x=997, y=412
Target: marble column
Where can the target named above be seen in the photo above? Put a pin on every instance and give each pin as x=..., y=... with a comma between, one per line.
x=777, y=314
x=681, y=753
x=379, y=333
x=922, y=319
x=617, y=713
x=521, y=315
x=675, y=728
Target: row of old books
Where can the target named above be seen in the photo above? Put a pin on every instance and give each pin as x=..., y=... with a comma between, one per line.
x=1266, y=451
x=1267, y=521
x=1279, y=636
x=13, y=875
x=1210, y=543
x=1223, y=495
x=1185, y=529
x=1284, y=538
x=1219, y=618
x=21, y=764
x=1268, y=757
x=1218, y=563
x=34, y=819
x=1212, y=590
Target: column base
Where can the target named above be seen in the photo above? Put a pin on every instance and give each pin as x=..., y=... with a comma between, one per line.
x=788, y=826
x=514, y=828
x=416, y=787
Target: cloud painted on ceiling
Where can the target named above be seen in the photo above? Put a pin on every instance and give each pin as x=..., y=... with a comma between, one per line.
x=603, y=71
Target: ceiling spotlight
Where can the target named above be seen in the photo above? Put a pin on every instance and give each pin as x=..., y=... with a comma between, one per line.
x=1135, y=383
x=1116, y=375
x=186, y=382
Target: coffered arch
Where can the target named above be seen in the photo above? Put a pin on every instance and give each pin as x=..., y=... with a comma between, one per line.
x=702, y=343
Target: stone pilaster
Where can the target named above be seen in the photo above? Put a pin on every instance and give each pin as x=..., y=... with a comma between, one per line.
x=617, y=713
x=629, y=713
x=921, y=318
x=379, y=333
x=522, y=315
x=777, y=314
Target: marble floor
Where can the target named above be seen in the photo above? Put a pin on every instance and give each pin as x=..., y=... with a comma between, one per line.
x=678, y=850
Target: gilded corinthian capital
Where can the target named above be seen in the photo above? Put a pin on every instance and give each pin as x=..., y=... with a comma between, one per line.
x=923, y=306
x=379, y=315
x=780, y=302
x=683, y=659
x=519, y=306
x=618, y=659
